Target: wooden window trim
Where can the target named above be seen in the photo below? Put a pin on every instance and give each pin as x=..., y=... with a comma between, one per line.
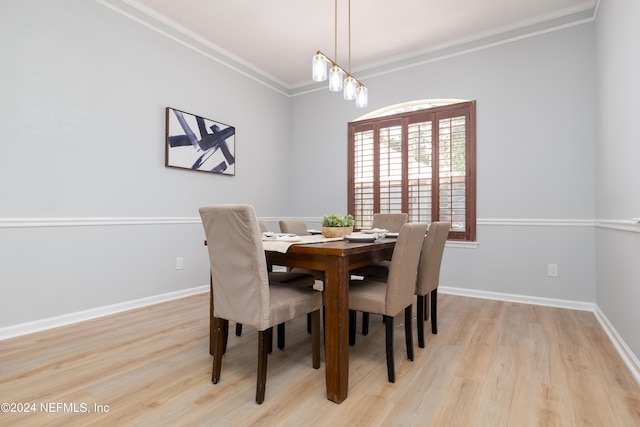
x=403, y=120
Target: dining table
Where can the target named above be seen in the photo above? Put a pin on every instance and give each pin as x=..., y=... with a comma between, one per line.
x=336, y=257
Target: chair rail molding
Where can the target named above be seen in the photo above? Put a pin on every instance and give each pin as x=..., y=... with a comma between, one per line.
x=534, y=222
x=93, y=221
x=630, y=225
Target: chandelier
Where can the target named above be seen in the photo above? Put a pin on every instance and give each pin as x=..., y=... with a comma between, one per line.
x=339, y=79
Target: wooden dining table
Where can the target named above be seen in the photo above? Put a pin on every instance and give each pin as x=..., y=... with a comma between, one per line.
x=336, y=259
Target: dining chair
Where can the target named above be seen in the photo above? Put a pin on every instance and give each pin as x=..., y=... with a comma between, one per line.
x=429, y=275
x=385, y=221
x=298, y=227
x=390, y=221
x=298, y=278
x=294, y=226
x=242, y=291
x=393, y=296
x=263, y=227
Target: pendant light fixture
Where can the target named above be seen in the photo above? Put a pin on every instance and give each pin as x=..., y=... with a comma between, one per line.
x=352, y=88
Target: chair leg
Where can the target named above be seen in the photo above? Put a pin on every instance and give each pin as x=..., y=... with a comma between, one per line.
x=391, y=371
x=427, y=298
x=264, y=338
x=238, y=329
x=211, y=320
x=434, y=306
x=281, y=336
x=211, y=333
x=365, y=323
x=315, y=338
x=225, y=334
x=420, y=320
x=352, y=327
x=408, y=331
x=218, y=347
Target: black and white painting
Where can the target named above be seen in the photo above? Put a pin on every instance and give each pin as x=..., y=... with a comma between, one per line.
x=194, y=142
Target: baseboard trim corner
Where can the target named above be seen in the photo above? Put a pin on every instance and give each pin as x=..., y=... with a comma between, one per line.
x=623, y=349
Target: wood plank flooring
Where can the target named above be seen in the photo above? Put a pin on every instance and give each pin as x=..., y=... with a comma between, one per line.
x=492, y=364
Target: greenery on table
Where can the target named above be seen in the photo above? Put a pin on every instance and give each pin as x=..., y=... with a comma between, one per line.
x=337, y=220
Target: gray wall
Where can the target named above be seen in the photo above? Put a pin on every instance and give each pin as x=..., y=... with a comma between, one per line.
x=618, y=152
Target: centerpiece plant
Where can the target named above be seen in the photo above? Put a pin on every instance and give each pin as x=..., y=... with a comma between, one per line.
x=336, y=225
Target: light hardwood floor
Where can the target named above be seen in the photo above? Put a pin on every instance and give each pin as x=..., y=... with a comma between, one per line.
x=491, y=364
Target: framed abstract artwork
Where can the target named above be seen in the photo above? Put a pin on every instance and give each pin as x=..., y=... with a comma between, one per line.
x=196, y=143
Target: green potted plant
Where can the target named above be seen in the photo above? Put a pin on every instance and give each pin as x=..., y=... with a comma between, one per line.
x=336, y=225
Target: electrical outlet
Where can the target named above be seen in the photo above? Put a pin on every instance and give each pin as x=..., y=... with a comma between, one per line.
x=552, y=270
x=179, y=263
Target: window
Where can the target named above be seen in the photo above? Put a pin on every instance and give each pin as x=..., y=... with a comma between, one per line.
x=420, y=162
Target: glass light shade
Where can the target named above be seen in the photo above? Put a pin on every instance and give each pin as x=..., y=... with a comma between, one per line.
x=362, y=97
x=335, y=79
x=319, y=68
x=350, y=88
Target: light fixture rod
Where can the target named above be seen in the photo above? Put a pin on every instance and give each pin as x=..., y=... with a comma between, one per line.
x=349, y=27
x=336, y=65
x=335, y=35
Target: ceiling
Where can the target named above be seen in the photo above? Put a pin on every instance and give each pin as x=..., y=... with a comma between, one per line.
x=278, y=38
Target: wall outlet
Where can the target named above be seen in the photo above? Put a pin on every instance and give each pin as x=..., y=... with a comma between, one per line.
x=552, y=270
x=179, y=263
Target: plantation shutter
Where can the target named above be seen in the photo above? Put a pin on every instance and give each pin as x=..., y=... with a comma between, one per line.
x=421, y=162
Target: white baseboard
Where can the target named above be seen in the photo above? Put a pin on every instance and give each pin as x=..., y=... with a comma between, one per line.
x=625, y=352
x=80, y=316
x=523, y=299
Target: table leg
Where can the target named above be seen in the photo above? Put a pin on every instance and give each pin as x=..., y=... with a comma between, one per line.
x=336, y=299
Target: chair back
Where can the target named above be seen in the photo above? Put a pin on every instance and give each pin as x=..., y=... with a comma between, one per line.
x=239, y=276
x=294, y=226
x=263, y=226
x=403, y=268
x=431, y=257
x=390, y=221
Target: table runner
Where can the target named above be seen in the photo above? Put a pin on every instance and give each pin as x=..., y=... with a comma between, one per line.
x=283, y=245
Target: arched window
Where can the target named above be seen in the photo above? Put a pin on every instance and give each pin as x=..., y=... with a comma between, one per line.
x=419, y=158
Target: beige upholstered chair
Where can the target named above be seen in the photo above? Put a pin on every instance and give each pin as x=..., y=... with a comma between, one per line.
x=242, y=291
x=429, y=275
x=299, y=278
x=390, y=221
x=298, y=227
x=385, y=221
x=390, y=298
